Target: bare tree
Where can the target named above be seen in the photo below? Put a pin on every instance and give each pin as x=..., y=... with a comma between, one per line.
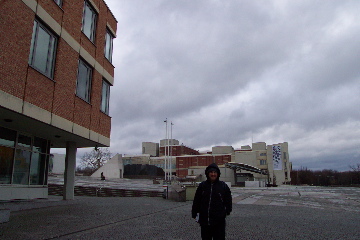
x=356, y=172
x=95, y=159
x=355, y=168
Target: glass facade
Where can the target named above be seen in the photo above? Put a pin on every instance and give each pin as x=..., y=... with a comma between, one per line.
x=23, y=158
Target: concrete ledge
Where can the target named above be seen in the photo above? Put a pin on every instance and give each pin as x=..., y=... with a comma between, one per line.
x=4, y=215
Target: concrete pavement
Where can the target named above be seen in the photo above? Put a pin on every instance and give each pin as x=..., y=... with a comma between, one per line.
x=157, y=218
x=258, y=213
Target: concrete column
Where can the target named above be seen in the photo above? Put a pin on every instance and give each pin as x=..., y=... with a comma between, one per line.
x=69, y=175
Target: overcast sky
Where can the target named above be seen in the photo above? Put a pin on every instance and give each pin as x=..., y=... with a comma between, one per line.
x=232, y=72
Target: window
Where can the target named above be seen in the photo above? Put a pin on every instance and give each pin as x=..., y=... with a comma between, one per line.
x=58, y=2
x=38, y=161
x=262, y=162
x=105, y=96
x=23, y=158
x=6, y=160
x=89, y=21
x=21, y=167
x=108, y=45
x=7, y=137
x=42, y=51
x=84, y=81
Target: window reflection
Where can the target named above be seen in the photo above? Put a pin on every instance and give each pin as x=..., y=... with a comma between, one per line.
x=24, y=162
x=37, y=169
x=40, y=145
x=7, y=137
x=21, y=167
x=24, y=141
x=6, y=159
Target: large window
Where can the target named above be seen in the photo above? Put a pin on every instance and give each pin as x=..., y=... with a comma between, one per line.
x=42, y=51
x=6, y=160
x=38, y=162
x=7, y=144
x=23, y=158
x=108, y=45
x=105, y=96
x=84, y=81
x=89, y=21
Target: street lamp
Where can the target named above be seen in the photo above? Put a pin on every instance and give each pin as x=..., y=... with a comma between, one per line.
x=165, y=157
x=170, y=162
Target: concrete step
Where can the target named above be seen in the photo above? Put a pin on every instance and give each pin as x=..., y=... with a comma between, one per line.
x=57, y=190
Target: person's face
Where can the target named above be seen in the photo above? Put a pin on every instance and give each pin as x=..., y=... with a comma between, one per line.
x=213, y=176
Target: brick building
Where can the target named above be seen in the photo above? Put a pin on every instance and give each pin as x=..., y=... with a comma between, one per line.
x=261, y=163
x=55, y=76
x=256, y=165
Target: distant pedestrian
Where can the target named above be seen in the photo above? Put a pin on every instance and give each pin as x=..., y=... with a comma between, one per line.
x=102, y=176
x=212, y=203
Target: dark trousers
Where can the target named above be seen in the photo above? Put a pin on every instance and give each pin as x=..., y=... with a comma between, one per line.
x=215, y=232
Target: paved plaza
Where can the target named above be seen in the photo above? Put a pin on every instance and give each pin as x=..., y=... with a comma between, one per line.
x=258, y=213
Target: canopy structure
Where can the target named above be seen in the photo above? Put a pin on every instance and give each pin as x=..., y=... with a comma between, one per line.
x=243, y=166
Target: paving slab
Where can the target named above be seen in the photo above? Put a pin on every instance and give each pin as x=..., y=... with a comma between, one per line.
x=157, y=218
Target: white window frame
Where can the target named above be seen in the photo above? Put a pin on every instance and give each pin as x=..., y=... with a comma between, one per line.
x=89, y=9
x=83, y=83
x=108, y=49
x=105, y=97
x=35, y=50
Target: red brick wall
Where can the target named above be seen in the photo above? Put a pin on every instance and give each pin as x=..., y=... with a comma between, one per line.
x=53, y=9
x=72, y=20
x=65, y=87
x=39, y=90
x=183, y=163
x=105, y=125
x=56, y=95
x=16, y=24
x=222, y=159
x=179, y=150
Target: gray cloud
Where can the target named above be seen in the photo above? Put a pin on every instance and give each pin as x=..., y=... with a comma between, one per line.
x=227, y=72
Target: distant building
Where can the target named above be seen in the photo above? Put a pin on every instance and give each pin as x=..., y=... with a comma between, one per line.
x=55, y=76
x=113, y=168
x=150, y=148
x=57, y=163
x=256, y=165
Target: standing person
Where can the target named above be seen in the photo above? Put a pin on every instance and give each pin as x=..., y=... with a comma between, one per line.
x=212, y=203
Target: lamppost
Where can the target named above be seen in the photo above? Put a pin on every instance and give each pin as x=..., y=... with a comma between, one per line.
x=168, y=151
x=165, y=157
x=170, y=159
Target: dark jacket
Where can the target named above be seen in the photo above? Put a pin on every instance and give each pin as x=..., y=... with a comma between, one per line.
x=212, y=200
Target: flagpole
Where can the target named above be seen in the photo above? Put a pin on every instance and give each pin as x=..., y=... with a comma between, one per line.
x=165, y=162
x=170, y=167
x=168, y=159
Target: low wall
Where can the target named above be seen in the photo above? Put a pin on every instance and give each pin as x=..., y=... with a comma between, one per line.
x=254, y=184
x=23, y=192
